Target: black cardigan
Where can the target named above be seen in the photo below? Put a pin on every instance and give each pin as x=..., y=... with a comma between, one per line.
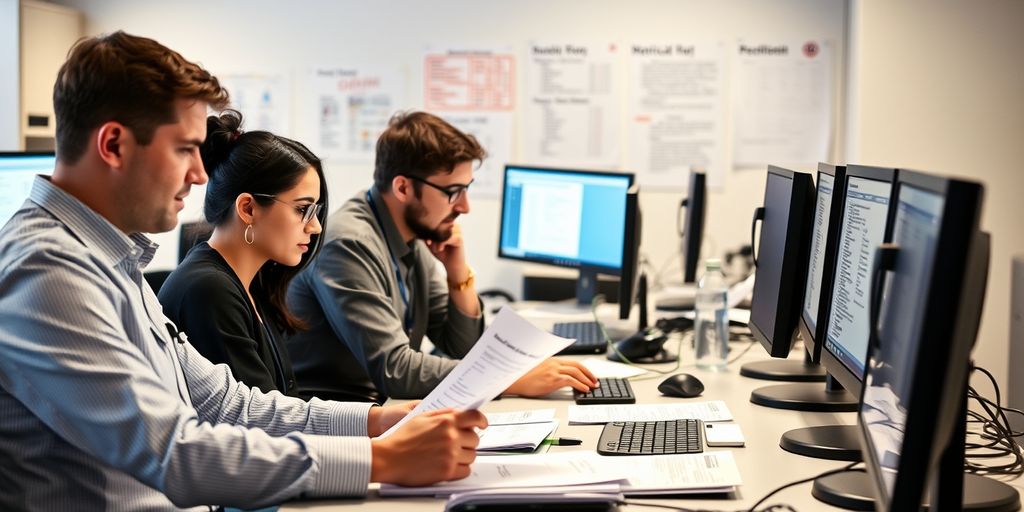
x=207, y=301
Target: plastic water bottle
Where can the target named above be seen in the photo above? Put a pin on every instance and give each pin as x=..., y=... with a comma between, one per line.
x=711, y=327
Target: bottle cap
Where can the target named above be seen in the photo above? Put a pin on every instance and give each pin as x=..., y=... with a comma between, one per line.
x=713, y=264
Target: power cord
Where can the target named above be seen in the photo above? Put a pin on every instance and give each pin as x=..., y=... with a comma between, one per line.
x=600, y=299
x=999, y=440
x=769, y=508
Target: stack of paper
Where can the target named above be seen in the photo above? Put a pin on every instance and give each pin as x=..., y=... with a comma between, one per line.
x=711, y=472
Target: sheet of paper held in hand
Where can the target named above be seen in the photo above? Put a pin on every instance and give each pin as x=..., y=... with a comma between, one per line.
x=508, y=349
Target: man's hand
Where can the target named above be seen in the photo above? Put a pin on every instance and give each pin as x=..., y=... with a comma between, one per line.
x=380, y=419
x=451, y=253
x=432, y=447
x=551, y=375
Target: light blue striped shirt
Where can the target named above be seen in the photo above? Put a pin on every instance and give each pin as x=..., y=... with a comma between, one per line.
x=95, y=412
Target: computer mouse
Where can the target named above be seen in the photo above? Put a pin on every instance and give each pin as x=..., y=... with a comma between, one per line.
x=645, y=346
x=682, y=385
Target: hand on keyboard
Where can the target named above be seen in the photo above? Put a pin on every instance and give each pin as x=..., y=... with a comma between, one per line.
x=552, y=375
x=611, y=391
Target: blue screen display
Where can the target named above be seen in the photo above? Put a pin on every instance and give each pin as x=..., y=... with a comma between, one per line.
x=17, y=172
x=565, y=218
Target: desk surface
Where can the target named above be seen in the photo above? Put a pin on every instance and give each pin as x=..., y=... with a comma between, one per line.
x=762, y=463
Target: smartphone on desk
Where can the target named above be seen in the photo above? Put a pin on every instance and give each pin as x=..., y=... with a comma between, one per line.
x=723, y=435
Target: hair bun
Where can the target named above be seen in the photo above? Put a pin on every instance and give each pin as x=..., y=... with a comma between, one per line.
x=222, y=133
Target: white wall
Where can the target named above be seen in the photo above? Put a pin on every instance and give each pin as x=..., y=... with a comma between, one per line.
x=10, y=76
x=269, y=35
x=939, y=86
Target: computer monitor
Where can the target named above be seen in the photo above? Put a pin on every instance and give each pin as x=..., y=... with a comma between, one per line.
x=781, y=262
x=692, y=230
x=831, y=185
x=861, y=224
x=632, y=282
x=18, y=170
x=912, y=416
x=865, y=224
x=567, y=218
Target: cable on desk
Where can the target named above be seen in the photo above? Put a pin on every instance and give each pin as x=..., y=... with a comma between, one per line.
x=995, y=429
x=844, y=469
x=600, y=299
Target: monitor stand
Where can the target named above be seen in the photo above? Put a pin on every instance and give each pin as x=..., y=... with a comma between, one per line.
x=952, y=489
x=806, y=397
x=786, y=370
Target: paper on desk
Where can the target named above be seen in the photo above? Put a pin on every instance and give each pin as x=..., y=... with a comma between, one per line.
x=508, y=349
x=734, y=315
x=740, y=291
x=714, y=410
x=524, y=436
x=714, y=471
x=516, y=417
x=587, y=471
x=601, y=367
x=544, y=470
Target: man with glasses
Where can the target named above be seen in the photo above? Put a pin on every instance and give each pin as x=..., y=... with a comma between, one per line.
x=375, y=291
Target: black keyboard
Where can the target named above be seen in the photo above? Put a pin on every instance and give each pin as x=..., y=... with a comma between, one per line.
x=651, y=437
x=589, y=339
x=610, y=391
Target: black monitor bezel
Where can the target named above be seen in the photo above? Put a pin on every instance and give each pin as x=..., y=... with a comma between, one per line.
x=693, y=223
x=809, y=335
x=833, y=365
x=603, y=269
x=27, y=153
x=942, y=361
x=794, y=265
x=630, y=274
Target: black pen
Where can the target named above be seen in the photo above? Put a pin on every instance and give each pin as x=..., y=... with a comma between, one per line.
x=562, y=441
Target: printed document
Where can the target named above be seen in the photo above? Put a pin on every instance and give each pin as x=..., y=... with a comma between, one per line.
x=522, y=437
x=545, y=470
x=586, y=471
x=715, y=410
x=508, y=349
x=519, y=417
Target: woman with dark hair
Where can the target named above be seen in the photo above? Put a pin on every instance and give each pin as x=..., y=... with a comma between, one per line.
x=266, y=200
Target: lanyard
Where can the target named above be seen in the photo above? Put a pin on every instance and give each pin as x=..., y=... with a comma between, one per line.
x=407, y=321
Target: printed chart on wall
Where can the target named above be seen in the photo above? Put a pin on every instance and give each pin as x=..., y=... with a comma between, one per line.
x=675, y=120
x=782, y=107
x=348, y=108
x=572, y=105
x=263, y=99
x=474, y=90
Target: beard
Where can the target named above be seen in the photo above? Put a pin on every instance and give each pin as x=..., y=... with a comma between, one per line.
x=413, y=218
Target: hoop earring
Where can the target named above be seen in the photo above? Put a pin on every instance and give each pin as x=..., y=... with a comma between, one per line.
x=250, y=234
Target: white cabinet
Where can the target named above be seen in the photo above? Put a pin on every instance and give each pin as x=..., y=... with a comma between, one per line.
x=47, y=33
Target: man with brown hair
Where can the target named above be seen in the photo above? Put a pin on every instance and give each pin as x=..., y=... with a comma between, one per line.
x=103, y=404
x=375, y=291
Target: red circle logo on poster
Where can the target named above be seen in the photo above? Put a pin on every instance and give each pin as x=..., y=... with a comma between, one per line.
x=811, y=49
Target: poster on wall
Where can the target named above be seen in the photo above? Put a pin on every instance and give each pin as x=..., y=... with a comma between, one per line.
x=263, y=99
x=675, y=120
x=475, y=91
x=347, y=109
x=782, y=103
x=572, y=105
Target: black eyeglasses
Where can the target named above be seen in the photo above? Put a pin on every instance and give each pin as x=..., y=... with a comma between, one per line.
x=454, y=192
x=308, y=211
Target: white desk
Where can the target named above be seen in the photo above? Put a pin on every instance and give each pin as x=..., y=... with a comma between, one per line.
x=762, y=463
